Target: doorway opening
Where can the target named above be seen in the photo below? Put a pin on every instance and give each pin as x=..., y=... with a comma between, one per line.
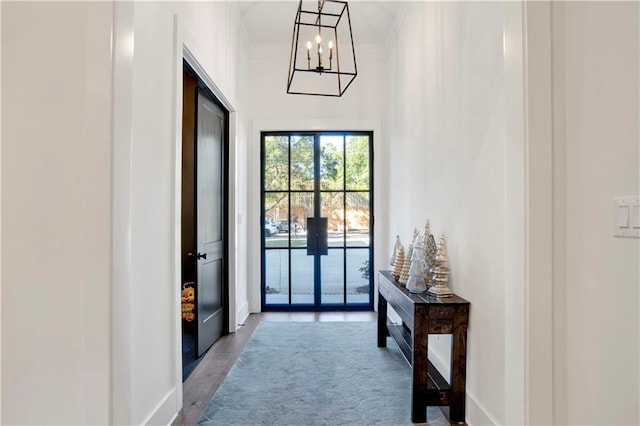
x=317, y=222
x=204, y=221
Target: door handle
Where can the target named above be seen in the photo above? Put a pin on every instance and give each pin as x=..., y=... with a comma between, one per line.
x=317, y=236
x=202, y=255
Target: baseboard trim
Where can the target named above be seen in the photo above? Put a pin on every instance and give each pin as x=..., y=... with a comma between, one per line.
x=242, y=313
x=476, y=413
x=165, y=412
x=173, y=419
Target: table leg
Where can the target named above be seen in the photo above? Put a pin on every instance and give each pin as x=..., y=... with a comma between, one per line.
x=419, y=363
x=458, y=365
x=382, y=322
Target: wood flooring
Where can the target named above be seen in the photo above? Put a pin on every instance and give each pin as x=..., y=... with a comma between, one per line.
x=207, y=377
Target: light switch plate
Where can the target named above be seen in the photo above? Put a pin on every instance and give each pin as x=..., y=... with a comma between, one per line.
x=623, y=216
x=634, y=217
x=626, y=221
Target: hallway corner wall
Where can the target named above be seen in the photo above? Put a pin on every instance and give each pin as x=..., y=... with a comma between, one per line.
x=210, y=32
x=448, y=162
x=56, y=276
x=596, y=49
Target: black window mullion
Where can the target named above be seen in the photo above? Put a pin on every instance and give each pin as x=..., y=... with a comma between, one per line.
x=289, y=213
x=344, y=218
x=317, y=200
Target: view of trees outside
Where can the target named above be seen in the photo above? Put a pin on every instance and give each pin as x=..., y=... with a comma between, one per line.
x=289, y=200
x=336, y=152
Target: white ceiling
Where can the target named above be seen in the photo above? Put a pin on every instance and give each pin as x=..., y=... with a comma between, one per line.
x=271, y=22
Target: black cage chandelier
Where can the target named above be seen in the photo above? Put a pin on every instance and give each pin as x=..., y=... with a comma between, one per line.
x=323, y=57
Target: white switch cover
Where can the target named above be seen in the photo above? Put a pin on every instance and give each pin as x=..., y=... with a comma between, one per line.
x=634, y=217
x=623, y=216
x=627, y=217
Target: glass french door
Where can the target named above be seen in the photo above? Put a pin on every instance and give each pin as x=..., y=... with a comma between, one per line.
x=317, y=233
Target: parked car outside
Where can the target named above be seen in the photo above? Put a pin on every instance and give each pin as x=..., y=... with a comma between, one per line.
x=283, y=225
x=269, y=228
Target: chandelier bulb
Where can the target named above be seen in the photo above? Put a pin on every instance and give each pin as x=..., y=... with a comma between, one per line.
x=330, y=44
x=318, y=39
x=309, y=45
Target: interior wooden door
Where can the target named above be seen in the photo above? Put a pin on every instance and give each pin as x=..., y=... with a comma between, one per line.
x=210, y=202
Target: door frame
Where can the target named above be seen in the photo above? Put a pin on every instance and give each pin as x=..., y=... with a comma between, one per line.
x=183, y=54
x=206, y=86
x=317, y=305
x=203, y=89
x=254, y=208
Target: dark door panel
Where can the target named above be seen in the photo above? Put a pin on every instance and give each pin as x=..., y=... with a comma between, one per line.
x=210, y=202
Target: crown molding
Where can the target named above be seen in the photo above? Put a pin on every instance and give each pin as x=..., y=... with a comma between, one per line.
x=398, y=21
x=365, y=51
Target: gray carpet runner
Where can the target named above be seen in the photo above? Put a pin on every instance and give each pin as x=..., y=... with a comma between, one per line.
x=316, y=373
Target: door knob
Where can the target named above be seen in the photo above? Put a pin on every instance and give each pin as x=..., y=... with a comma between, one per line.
x=202, y=255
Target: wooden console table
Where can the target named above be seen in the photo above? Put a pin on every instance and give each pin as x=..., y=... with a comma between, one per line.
x=423, y=315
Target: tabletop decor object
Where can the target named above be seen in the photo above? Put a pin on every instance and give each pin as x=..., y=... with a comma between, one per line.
x=404, y=276
x=430, y=251
x=394, y=251
x=441, y=272
x=415, y=283
x=399, y=263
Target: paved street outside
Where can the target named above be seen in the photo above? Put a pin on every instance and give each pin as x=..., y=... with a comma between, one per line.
x=277, y=269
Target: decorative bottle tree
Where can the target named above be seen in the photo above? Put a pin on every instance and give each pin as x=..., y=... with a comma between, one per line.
x=427, y=232
x=429, y=253
x=415, y=283
x=441, y=272
x=399, y=263
x=404, y=275
x=394, y=252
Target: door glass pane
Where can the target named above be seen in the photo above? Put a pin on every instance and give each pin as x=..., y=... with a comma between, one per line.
x=357, y=159
x=331, y=162
x=358, y=276
x=276, y=213
x=301, y=209
x=302, y=164
x=333, y=209
x=342, y=187
x=276, y=163
x=276, y=278
x=332, y=283
x=357, y=219
x=301, y=277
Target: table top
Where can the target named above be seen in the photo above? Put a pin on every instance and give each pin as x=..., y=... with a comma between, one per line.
x=422, y=298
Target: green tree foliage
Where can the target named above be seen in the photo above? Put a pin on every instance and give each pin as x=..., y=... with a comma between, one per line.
x=297, y=152
x=357, y=159
x=302, y=162
x=276, y=162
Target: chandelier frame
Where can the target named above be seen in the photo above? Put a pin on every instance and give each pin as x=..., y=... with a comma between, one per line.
x=318, y=19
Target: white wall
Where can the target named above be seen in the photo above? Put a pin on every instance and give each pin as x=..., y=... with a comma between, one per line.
x=210, y=32
x=56, y=135
x=445, y=130
x=243, y=136
x=271, y=108
x=61, y=190
x=597, y=149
